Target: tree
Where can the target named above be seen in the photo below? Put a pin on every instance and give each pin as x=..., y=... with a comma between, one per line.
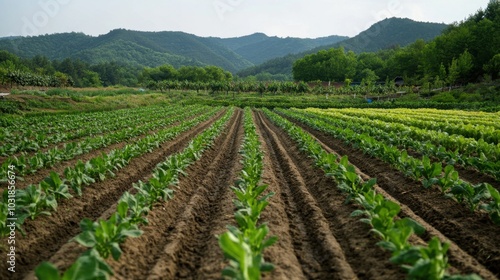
x=493, y=67
x=368, y=77
x=91, y=79
x=460, y=68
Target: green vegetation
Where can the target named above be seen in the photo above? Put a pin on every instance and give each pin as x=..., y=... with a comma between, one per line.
x=244, y=245
x=465, y=52
x=103, y=237
x=462, y=148
x=386, y=34
x=42, y=198
x=420, y=262
x=258, y=48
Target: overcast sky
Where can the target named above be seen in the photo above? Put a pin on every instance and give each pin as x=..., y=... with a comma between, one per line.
x=222, y=18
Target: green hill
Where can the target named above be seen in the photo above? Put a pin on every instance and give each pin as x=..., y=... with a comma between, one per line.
x=382, y=35
x=156, y=48
x=133, y=47
x=270, y=54
x=258, y=48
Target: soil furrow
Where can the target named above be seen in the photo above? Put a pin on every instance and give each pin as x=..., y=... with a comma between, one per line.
x=45, y=235
x=179, y=241
x=59, y=167
x=315, y=244
x=472, y=232
x=277, y=215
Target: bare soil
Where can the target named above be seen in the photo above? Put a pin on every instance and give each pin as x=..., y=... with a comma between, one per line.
x=46, y=234
x=472, y=234
x=318, y=239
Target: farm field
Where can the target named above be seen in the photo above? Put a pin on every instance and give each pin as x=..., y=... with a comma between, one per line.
x=419, y=179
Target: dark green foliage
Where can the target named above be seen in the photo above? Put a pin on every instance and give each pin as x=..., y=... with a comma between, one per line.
x=389, y=33
x=464, y=53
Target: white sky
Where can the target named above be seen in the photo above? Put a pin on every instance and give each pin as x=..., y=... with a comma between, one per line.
x=222, y=18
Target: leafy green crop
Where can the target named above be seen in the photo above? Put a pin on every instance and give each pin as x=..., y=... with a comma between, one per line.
x=106, y=235
x=421, y=262
x=55, y=186
x=243, y=246
x=33, y=201
x=493, y=207
x=89, y=266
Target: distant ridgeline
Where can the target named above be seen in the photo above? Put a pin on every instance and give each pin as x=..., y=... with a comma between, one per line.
x=392, y=47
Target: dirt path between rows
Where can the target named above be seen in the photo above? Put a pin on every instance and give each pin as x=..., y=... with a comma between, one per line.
x=318, y=238
x=59, y=167
x=179, y=242
x=46, y=234
x=472, y=232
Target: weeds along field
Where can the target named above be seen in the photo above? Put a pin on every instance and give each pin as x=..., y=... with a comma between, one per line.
x=200, y=192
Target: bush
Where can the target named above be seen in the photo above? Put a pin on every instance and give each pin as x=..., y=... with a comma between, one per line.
x=469, y=97
x=445, y=97
x=9, y=107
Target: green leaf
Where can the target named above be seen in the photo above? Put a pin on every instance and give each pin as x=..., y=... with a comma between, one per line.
x=47, y=271
x=86, y=238
x=89, y=266
x=417, y=228
x=231, y=246
x=116, y=251
x=409, y=256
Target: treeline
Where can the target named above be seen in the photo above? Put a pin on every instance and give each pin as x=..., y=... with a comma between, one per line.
x=212, y=79
x=466, y=52
x=233, y=86
x=42, y=72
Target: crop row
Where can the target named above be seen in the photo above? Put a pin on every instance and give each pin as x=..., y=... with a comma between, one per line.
x=454, y=142
x=39, y=199
x=243, y=245
x=103, y=237
x=420, y=262
x=453, y=149
x=17, y=139
x=53, y=123
x=30, y=164
x=448, y=116
x=479, y=196
x=488, y=133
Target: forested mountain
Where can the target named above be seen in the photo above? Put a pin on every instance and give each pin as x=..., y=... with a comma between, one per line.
x=156, y=48
x=258, y=47
x=133, y=47
x=389, y=33
x=382, y=35
x=468, y=51
x=139, y=49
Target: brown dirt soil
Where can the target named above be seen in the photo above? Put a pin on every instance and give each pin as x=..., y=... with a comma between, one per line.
x=59, y=167
x=317, y=237
x=179, y=242
x=60, y=145
x=473, y=233
x=45, y=235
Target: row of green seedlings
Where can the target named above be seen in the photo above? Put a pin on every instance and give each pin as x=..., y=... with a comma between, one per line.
x=41, y=199
x=54, y=123
x=33, y=142
x=103, y=237
x=480, y=196
x=30, y=164
x=487, y=133
x=452, y=149
x=420, y=262
x=19, y=139
x=450, y=116
x=243, y=246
